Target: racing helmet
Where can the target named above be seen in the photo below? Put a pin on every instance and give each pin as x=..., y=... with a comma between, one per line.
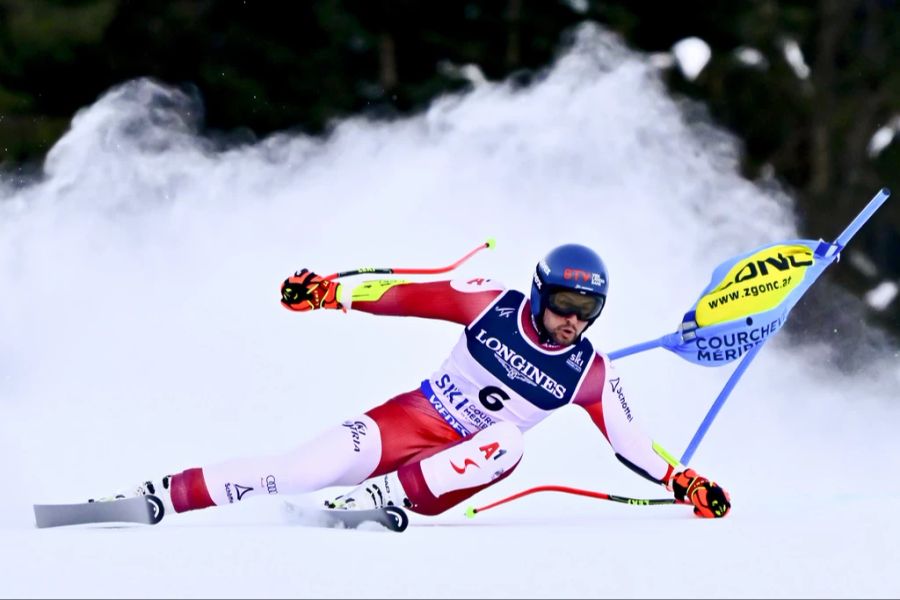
x=571, y=279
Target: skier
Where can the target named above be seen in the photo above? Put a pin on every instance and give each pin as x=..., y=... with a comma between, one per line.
x=518, y=359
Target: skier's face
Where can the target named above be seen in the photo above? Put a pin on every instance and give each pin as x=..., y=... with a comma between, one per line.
x=564, y=331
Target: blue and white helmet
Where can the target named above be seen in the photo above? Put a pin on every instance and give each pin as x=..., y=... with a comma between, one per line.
x=571, y=267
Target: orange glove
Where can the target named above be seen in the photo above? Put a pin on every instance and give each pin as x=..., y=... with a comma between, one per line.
x=307, y=291
x=710, y=500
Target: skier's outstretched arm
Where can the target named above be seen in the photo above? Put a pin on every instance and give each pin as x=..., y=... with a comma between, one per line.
x=459, y=300
x=603, y=397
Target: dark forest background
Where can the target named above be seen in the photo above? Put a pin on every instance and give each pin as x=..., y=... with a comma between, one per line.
x=264, y=66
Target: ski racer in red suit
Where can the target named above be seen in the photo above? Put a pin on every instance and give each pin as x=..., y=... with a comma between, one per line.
x=519, y=358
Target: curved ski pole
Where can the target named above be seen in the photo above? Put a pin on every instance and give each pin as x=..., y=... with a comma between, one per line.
x=491, y=243
x=471, y=511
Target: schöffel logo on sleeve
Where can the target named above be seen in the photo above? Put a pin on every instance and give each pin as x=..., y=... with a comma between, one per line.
x=616, y=386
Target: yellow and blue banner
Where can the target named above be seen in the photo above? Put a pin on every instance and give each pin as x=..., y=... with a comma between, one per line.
x=747, y=301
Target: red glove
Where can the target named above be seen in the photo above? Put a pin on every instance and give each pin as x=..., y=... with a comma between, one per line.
x=307, y=291
x=709, y=499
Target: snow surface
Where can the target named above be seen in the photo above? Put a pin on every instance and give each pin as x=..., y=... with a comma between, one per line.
x=142, y=334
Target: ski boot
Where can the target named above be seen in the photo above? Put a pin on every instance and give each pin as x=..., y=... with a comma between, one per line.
x=159, y=489
x=377, y=492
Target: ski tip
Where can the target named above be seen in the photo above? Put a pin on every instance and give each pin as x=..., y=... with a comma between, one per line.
x=471, y=511
x=398, y=520
x=155, y=509
x=490, y=244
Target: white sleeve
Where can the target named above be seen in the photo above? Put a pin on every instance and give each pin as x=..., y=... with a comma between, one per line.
x=631, y=445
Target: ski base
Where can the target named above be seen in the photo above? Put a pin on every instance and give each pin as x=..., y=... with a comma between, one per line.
x=147, y=510
x=391, y=517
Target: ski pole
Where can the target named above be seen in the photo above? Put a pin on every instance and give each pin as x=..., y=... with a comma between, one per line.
x=472, y=510
x=718, y=403
x=414, y=271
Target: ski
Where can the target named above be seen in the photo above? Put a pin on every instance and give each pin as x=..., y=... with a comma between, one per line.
x=147, y=510
x=390, y=517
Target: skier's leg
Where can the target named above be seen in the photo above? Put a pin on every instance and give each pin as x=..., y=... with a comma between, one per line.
x=445, y=478
x=404, y=429
x=343, y=455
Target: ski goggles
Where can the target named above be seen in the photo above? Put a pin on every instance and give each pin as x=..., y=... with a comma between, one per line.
x=586, y=307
